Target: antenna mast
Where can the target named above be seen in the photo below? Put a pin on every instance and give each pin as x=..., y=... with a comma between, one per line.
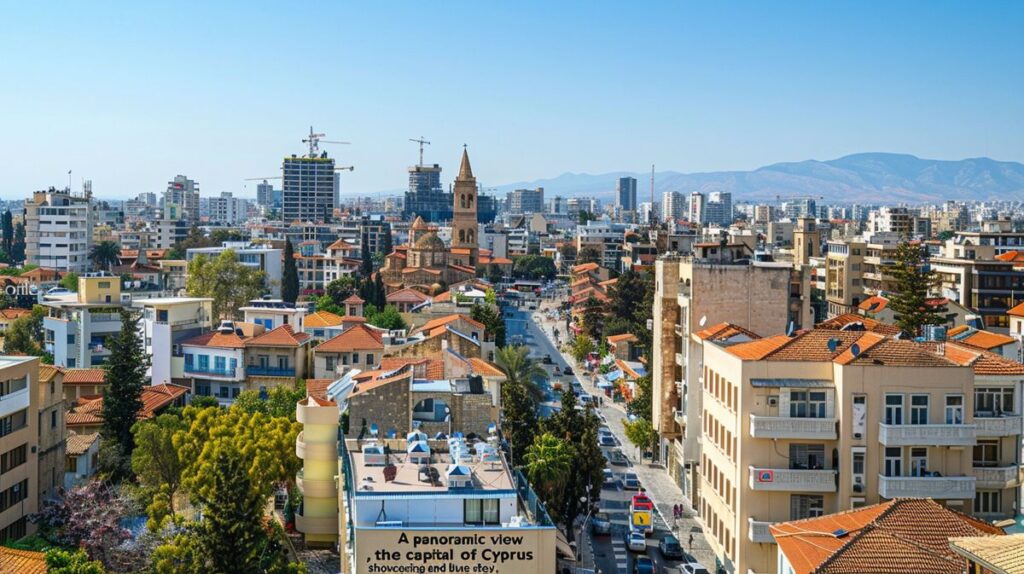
x=420, y=141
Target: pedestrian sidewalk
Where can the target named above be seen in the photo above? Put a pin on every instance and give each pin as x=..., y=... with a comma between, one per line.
x=655, y=480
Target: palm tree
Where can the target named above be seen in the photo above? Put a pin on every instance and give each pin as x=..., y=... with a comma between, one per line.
x=105, y=253
x=547, y=462
x=520, y=370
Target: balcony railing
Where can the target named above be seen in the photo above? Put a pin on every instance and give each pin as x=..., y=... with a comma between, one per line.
x=926, y=435
x=792, y=480
x=210, y=371
x=104, y=317
x=1003, y=425
x=256, y=370
x=940, y=487
x=757, y=531
x=997, y=476
x=793, y=427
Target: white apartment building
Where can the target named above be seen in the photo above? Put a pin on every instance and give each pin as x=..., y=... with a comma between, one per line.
x=58, y=230
x=273, y=313
x=267, y=259
x=228, y=209
x=166, y=323
x=76, y=327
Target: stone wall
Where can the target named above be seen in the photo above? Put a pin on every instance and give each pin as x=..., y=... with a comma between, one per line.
x=388, y=406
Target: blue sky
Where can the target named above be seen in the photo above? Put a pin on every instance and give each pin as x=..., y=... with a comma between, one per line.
x=130, y=94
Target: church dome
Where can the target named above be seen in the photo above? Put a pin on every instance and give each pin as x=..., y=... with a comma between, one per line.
x=430, y=241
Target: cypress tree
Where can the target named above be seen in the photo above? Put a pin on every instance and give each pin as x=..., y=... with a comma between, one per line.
x=123, y=383
x=290, y=280
x=8, y=232
x=913, y=281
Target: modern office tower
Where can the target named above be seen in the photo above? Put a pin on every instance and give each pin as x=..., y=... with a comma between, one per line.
x=719, y=208
x=265, y=194
x=425, y=197
x=673, y=206
x=464, y=221
x=803, y=207
x=649, y=213
x=557, y=205
x=625, y=194
x=19, y=444
x=522, y=201
x=184, y=193
x=58, y=230
x=310, y=188
x=696, y=207
x=228, y=209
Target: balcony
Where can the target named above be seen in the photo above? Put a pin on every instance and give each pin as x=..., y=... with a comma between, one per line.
x=316, y=488
x=258, y=371
x=757, y=531
x=926, y=435
x=315, y=450
x=105, y=317
x=793, y=428
x=997, y=476
x=210, y=371
x=792, y=480
x=316, y=524
x=1004, y=425
x=939, y=487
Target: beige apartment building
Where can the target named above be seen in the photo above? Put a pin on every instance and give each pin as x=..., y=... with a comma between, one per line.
x=855, y=270
x=19, y=467
x=691, y=295
x=828, y=420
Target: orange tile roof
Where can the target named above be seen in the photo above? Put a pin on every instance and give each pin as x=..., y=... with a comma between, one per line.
x=863, y=345
x=585, y=267
x=406, y=296
x=359, y=337
x=901, y=535
x=620, y=338
x=22, y=561
x=354, y=299
x=986, y=340
x=435, y=323
x=353, y=319
x=11, y=314
x=154, y=398
x=1011, y=256
x=1017, y=311
x=77, y=444
x=84, y=376
x=983, y=362
x=724, y=331
x=361, y=388
x=283, y=336
x=482, y=367
x=445, y=297
x=321, y=319
x=759, y=349
x=842, y=321
x=47, y=372
x=217, y=339
x=873, y=304
x=430, y=367
x=317, y=388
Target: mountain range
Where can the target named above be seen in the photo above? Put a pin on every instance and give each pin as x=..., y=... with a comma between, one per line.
x=870, y=178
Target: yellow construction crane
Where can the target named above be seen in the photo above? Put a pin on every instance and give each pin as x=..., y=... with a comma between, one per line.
x=420, y=141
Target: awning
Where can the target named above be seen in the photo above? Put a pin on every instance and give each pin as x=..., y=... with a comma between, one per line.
x=563, y=547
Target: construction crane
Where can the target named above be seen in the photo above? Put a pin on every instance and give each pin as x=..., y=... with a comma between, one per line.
x=422, y=142
x=314, y=140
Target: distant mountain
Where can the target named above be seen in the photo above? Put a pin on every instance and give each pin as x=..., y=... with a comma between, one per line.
x=858, y=178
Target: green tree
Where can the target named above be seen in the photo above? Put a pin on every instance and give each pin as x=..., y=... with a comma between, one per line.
x=60, y=561
x=18, y=247
x=326, y=303
x=194, y=240
x=105, y=254
x=124, y=380
x=914, y=279
x=290, y=280
x=641, y=433
x=279, y=402
x=366, y=267
x=519, y=419
x=201, y=402
x=70, y=281
x=582, y=345
x=585, y=216
x=7, y=233
x=534, y=267
x=231, y=531
x=386, y=245
x=546, y=463
x=520, y=370
x=494, y=324
x=578, y=430
x=640, y=406
x=588, y=254
x=494, y=274
x=24, y=333
x=387, y=318
x=341, y=288
x=229, y=283
x=156, y=464
x=593, y=318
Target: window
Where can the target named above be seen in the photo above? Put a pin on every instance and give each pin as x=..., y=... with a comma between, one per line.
x=954, y=409
x=987, y=501
x=893, y=461
x=807, y=456
x=355, y=358
x=476, y=511
x=893, y=409
x=329, y=363
x=860, y=414
x=993, y=401
x=71, y=338
x=13, y=458
x=189, y=360
x=918, y=409
x=369, y=359
x=53, y=419
x=919, y=461
x=806, y=506
x=986, y=453
x=858, y=468
x=204, y=362
x=807, y=404
x=219, y=363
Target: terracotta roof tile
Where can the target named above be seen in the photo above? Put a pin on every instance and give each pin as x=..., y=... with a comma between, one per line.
x=1017, y=311
x=585, y=267
x=354, y=299
x=22, y=561
x=427, y=367
x=724, y=331
x=217, y=339
x=863, y=345
x=47, y=372
x=957, y=330
x=321, y=319
x=283, y=336
x=1011, y=257
x=11, y=314
x=1006, y=553
x=361, y=388
x=983, y=362
x=154, y=398
x=873, y=304
x=77, y=444
x=442, y=321
x=317, y=388
x=84, y=376
x=482, y=367
x=406, y=296
x=759, y=349
x=849, y=321
x=623, y=337
x=986, y=340
x=359, y=337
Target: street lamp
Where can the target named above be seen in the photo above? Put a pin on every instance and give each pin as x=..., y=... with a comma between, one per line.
x=583, y=525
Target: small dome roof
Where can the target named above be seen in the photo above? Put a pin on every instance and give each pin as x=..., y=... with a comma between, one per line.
x=430, y=240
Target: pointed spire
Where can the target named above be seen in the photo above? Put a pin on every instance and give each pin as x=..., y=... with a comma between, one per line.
x=465, y=171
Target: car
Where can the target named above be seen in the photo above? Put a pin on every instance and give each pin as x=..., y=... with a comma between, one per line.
x=606, y=440
x=609, y=476
x=557, y=372
x=670, y=548
x=636, y=541
x=642, y=501
x=601, y=523
x=547, y=360
x=630, y=481
x=693, y=568
x=585, y=399
x=618, y=459
x=604, y=429
x=569, y=372
x=59, y=291
x=643, y=565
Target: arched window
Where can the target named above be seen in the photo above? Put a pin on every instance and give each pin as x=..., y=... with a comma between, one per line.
x=471, y=201
x=469, y=235
x=462, y=200
x=462, y=235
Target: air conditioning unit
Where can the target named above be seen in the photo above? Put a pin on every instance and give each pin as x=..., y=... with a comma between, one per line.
x=857, y=435
x=858, y=484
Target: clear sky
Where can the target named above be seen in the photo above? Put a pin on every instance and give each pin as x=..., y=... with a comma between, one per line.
x=129, y=94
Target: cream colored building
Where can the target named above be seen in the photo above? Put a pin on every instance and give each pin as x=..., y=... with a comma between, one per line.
x=19, y=439
x=828, y=419
x=317, y=446
x=692, y=294
x=855, y=270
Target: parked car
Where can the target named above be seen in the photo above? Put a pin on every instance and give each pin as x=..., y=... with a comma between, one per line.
x=636, y=541
x=670, y=548
x=643, y=565
x=585, y=399
x=569, y=372
x=609, y=476
x=630, y=481
x=618, y=459
x=606, y=440
x=601, y=523
x=693, y=568
x=547, y=360
x=643, y=501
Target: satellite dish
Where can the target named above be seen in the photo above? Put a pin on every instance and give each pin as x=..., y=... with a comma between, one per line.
x=833, y=344
x=855, y=350
x=790, y=329
x=703, y=319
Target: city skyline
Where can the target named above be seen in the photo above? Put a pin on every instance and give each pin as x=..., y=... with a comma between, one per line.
x=685, y=89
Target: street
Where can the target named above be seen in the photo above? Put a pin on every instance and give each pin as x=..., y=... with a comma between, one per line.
x=608, y=553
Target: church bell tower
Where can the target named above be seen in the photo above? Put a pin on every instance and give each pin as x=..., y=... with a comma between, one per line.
x=464, y=222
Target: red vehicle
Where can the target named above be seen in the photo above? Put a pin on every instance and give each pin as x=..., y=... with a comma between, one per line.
x=642, y=502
